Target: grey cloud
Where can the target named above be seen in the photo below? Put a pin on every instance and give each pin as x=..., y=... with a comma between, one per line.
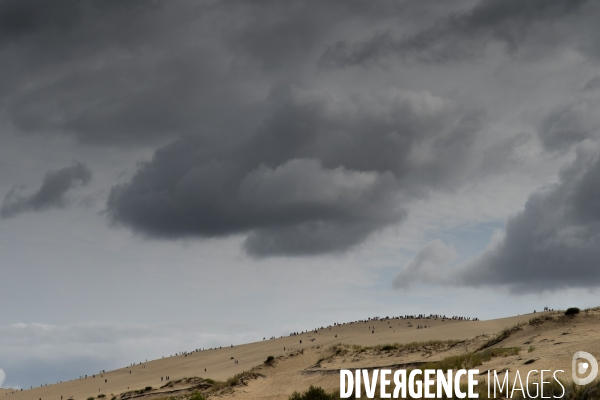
x=571, y=124
x=415, y=135
x=51, y=194
x=592, y=84
x=326, y=210
x=457, y=36
x=553, y=243
x=504, y=153
x=146, y=72
x=282, y=35
x=114, y=73
x=425, y=266
x=319, y=175
x=22, y=18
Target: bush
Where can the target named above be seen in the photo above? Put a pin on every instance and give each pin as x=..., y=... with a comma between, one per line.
x=572, y=311
x=101, y=396
x=91, y=398
x=147, y=388
x=269, y=360
x=196, y=396
x=313, y=393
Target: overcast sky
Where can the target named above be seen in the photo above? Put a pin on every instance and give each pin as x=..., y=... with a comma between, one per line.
x=185, y=174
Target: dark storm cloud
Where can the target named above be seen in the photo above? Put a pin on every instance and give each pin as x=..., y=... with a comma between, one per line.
x=219, y=81
x=281, y=35
x=51, y=194
x=112, y=73
x=143, y=72
x=554, y=242
x=139, y=73
x=319, y=175
x=458, y=36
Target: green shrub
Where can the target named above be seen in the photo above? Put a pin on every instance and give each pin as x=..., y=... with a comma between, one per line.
x=313, y=393
x=197, y=396
x=269, y=360
x=572, y=311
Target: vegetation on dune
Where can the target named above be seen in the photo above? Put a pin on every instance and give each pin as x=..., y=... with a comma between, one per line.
x=471, y=360
x=196, y=395
x=205, y=387
x=314, y=393
x=535, y=321
x=132, y=393
x=270, y=360
x=504, y=334
x=188, y=381
x=572, y=311
x=410, y=347
x=236, y=380
x=462, y=361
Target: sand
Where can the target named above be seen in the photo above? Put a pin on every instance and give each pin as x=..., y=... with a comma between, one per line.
x=295, y=369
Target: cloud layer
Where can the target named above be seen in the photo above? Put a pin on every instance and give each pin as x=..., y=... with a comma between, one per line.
x=304, y=128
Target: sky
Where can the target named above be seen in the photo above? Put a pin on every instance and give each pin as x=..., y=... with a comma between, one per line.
x=188, y=174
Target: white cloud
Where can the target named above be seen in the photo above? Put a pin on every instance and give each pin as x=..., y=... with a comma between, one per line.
x=2, y=377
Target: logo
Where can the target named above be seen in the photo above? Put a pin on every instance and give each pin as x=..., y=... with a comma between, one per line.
x=579, y=367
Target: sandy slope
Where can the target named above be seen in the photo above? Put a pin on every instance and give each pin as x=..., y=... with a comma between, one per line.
x=554, y=342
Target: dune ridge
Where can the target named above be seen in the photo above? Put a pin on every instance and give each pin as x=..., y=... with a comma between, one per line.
x=545, y=340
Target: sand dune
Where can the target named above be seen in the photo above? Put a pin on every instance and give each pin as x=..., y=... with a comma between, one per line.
x=297, y=366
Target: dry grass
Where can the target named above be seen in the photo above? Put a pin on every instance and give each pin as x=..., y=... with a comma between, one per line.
x=471, y=360
x=410, y=347
x=504, y=334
